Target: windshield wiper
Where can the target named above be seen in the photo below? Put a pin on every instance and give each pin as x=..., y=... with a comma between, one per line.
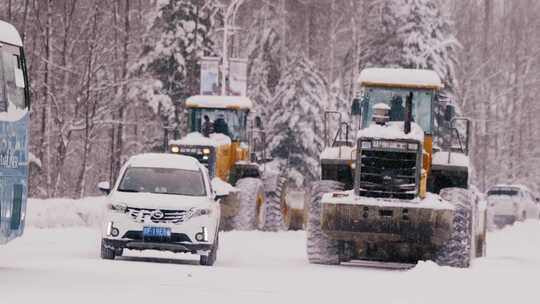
x=128, y=190
x=169, y=193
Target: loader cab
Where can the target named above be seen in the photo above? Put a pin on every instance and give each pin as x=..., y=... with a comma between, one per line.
x=227, y=143
x=392, y=86
x=228, y=111
x=234, y=121
x=394, y=98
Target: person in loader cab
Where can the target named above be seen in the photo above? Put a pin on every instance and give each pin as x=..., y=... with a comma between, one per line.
x=207, y=127
x=397, y=111
x=220, y=125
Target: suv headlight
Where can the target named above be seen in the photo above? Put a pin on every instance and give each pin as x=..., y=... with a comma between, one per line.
x=366, y=145
x=175, y=149
x=195, y=212
x=118, y=207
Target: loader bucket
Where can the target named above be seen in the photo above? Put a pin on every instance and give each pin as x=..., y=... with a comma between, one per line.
x=392, y=232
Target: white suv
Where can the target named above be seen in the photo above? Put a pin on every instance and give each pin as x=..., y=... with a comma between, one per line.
x=161, y=202
x=510, y=203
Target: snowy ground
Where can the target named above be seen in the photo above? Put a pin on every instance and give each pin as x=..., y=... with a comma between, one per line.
x=61, y=265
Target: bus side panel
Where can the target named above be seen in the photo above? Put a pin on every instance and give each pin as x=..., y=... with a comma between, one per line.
x=13, y=177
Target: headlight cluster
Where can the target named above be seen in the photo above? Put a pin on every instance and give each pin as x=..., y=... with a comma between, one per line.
x=191, y=150
x=195, y=212
x=118, y=207
x=385, y=144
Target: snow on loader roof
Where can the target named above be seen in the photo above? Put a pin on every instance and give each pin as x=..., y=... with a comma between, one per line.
x=9, y=34
x=407, y=78
x=219, y=102
x=197, y=139
x=162, y=160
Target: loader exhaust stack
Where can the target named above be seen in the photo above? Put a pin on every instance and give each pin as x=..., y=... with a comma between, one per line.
x=408, y=113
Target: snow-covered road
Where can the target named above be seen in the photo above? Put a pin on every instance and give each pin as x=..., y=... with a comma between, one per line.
x=62, y=266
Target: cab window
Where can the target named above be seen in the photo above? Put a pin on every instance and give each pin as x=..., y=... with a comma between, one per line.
x=225, y=121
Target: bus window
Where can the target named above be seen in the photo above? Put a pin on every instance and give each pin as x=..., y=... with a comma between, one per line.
x=11, y=78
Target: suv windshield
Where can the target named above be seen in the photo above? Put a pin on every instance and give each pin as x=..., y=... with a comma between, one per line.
x=395, y=99
x=163, y=181
x=508, y=192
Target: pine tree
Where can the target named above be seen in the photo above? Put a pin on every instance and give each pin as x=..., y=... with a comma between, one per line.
x=415, y=34
x=263, y=59
x=172, y=61
x=429, y=44
x=296, y=127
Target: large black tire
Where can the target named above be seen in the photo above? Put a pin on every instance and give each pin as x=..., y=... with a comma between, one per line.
x=210, y=259
x=252, y=210
x=106, y=252
x=276, y=199
x=320, y=248
x=457, y=251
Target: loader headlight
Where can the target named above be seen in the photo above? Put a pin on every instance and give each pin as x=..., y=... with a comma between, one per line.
x=175, y=149
x=366, y=145
x=413, y=146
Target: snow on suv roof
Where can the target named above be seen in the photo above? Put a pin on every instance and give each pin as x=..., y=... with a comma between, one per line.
x=219, y=102
x=407, y=78
x=163, y=160
x=9, y=34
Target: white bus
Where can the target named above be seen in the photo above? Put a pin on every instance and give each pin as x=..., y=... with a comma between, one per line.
x=14, y=132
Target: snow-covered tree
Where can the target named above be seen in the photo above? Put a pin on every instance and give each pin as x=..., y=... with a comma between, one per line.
x=172, y=61
x=263, y=59
x=296, y=126
x=414, y=34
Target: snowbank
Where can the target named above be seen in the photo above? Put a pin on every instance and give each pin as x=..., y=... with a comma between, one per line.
x=197, y=139
x=63, y=212
x=257, y=267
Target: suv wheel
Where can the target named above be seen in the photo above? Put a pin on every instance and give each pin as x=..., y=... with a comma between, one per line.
x=210, y=259
x=107, y=253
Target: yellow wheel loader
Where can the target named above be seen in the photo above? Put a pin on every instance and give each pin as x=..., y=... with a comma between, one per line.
x=222, y=137
x=390, y=197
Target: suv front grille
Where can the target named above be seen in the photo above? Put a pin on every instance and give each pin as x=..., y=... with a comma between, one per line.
x=169, y=216
x=388, y=174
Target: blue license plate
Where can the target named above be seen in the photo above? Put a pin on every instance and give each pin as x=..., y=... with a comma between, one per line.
x=156, y=232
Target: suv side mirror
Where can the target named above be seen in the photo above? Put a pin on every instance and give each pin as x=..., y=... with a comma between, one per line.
x=218, y=197
x=104, y=187
x=258, y=122
x=449, y=112
x=356, y=109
